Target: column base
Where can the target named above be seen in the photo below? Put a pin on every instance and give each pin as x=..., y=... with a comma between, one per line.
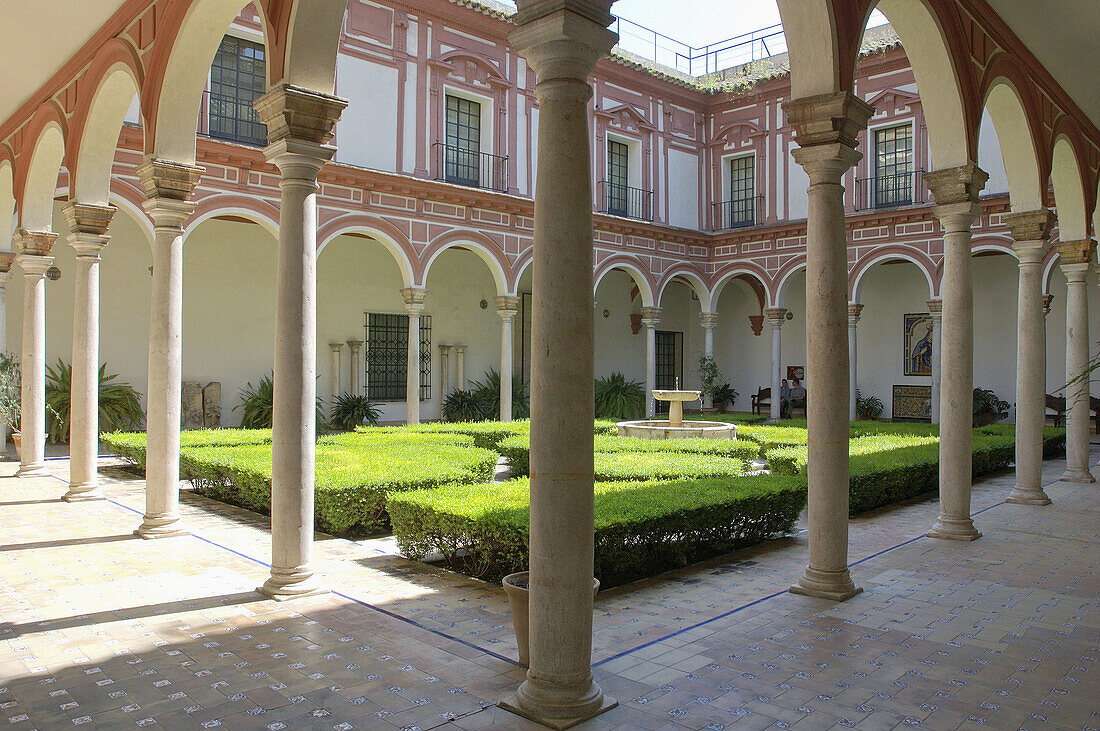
x=1028, y=496
x=835, y=586
x=36, y=469
x=954, y=529
x=284, y=585
x=1082, y=476
x=83, y=494
x=161, y=527
x=555, y=706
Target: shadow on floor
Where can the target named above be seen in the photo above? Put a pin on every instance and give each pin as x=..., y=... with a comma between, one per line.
x=60, y=543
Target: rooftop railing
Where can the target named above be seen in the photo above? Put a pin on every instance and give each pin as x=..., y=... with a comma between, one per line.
x=669, y=52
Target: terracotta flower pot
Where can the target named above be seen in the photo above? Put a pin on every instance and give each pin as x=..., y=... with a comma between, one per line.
x=515, y=586
x=17, y=440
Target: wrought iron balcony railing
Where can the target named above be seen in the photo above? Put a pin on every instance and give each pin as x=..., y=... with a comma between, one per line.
x=625, y=201
x=473, y=168
x=890, y=191
x=739, y=213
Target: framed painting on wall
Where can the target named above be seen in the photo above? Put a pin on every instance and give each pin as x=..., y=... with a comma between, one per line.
x=794, y=372
x=917, y=357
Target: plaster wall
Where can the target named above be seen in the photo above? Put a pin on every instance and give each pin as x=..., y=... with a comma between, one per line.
x=366, y=135
x=683, y=189
x=617, y=348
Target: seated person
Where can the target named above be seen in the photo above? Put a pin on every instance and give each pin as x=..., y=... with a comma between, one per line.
x=784, y=396
x=797, y=397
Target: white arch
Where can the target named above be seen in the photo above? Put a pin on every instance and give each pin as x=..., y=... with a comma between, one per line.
x=857, y=284
x=1021, y=159
x=500, y=278
x=810, y=29
x=404, y=265
x=734, y=273
x=137, y=214
x=272, y=227
x=781, y=285
x=99, y=138
x=635, y=272
x=36, y=211
x=695, y=282
x=1069, y=192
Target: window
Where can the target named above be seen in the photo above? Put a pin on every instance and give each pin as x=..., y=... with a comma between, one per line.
x=388, y=356
x=237, y=78
x=463, y=150
x=742, y=204
x=893, y=184
x=668, y=363
x=618, y=168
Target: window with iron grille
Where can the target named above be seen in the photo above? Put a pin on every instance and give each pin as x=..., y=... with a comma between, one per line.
x=668, y=363
x=893, y=166
x=388, y=356
x=742, y=210
x=618, y=168
x=463, y=151
x=237, y=78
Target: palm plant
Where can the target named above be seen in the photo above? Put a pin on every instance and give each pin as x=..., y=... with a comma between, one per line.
x=461, y=405
x=119, y=403
x=618, y=398
x=258, y=405
x=351, y=410
x=10, y=390
x=488, y=390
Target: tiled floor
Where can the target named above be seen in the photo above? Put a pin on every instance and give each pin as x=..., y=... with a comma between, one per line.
x=100, y=629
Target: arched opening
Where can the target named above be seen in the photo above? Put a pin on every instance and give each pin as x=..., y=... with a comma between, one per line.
x=102, y=122
x=1069, y=191
x=622, y=291
x=40, y=179
x=1014, y=152
x=742, y=340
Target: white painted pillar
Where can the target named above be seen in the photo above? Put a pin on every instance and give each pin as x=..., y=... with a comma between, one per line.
x=854, y=311
x=444, y=370
x=935, y=311
x=337, y=350
x=1076, y=260
x=956, y=193
x=776, y=317
x=414, y=305
x=651, y=318
x=562, y=41
x=355, y=347
x=826, y=128
x=299, y=129
x=34, y=259
x=460, y=367
x=507, y=308
x=7, y=258
x=708, y=320
x=1030, y=231
x=168, y=188
x=88, y=235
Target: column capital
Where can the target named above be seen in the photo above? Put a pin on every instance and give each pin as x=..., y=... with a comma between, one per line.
x=563, y=39
x=296, y=113
x=854, y=311
x=1075, y=252
x=708, y=319
x=88, y=225
x=776, y=315
x=507, y=307
x=960, y=184
x=414, y=299
x=168, y=180
x=7, y=258
x=34, y=265
x=461, y=348
x=828, y=119
x=444, y=349
x=935, y=308
x=1030, y=225
x=336, y=347
x=1047, y=299
x=355, y=345
x=34, y=243
x=651, y=316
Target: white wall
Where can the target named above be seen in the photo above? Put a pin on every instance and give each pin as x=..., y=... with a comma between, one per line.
x=744, y=359
x=798, y=183
x=989, y=157
x=683, y=189
x=367, y=132
x=617, y=349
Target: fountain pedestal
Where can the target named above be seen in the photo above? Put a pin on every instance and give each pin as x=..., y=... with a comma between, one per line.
x=675, y=427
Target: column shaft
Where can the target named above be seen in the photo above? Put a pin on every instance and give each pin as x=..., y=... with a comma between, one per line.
x=34, y=260
x=334, y=369
x=651, y=317
x=414, y=305
x=935, y=311
x=776, y=317
x=854, y=311
x=507, y=308
x=355, y=347
x=1076, y=258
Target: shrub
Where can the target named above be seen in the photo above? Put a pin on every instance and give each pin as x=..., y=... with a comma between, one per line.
x=488, y=393
x=618, y=399
x=641, y=528
x=988, y=407
x=486, y=434
x=258, y=405
x=119, y=403
x=10, y=390
x=131, y=445
x=869, y=407
x=353, y=410
x=709, y=375
x=461, y=405
x=723, y=394
x=618, y=466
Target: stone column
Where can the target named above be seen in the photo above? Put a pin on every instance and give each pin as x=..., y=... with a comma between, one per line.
x=826, y=128
x=334, y=368
x=1030, y=232
x=168, y=188
x=88, y=235
x=935, y=311
x=355, y=347
x=507, y=308
x=414, y=305
x=460, y=367
x=299, y=129
x=562, y=41
x=776, y=317
x=709, y=320
x=34, y=259
x=854, y=311
x=444, y=369
x=956, y=192
x=651, y=318
x=1076, y=260
x=7, y=258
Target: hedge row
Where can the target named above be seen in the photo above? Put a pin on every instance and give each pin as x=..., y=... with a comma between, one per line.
x=642, y=528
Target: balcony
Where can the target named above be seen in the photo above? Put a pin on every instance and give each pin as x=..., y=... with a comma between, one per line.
x=470, y=167
x=739, y=213
x=625, y=201
x=231, y=119
x=890, y=191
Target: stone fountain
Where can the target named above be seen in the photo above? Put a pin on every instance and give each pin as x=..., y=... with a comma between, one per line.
x=675, y=427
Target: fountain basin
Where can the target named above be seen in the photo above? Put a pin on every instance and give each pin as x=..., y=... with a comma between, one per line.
x=658, y=429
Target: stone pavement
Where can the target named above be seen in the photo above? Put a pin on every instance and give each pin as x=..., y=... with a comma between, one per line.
x=100, y=629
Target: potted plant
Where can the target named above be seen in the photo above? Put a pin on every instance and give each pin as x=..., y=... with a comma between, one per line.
x=517, y=588
x=618, y=399
x=723, y=396
x=352, y=410
x=988, y=408
x=10, y=395
x=868, y=408
x=709, y=377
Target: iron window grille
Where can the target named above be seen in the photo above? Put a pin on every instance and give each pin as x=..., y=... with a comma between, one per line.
x=388, y=356
x=237, y=78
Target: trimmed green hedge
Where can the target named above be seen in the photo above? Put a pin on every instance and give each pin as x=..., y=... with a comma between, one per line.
x=642, y=528
x=131, y=445
x=486, y=434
